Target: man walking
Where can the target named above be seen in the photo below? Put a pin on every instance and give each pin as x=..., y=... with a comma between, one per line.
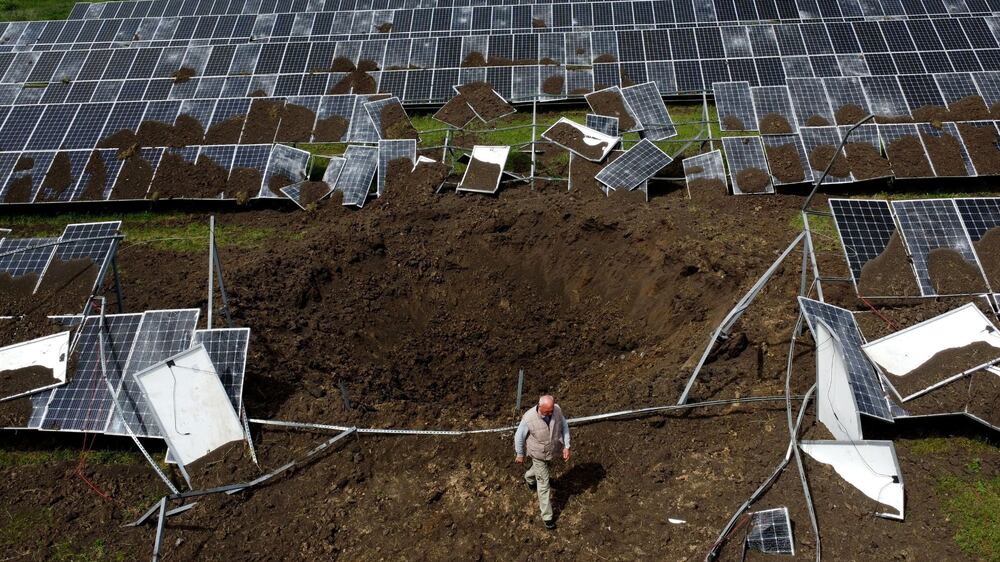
x=546, y=432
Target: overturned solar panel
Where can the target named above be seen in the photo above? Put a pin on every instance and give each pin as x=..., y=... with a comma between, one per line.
x=603, y=123
x=635, y=166
x=869, y=466
x=936, y=352
x=647, y=104
x=486, y=163
x=33, y=366
x=285, y=166
x=390, y=119
x=612, y=103
x=770, y=532
x=705, y=171
x=355, y=181
x=747, y=165
x=582, y=141
x=485, y=102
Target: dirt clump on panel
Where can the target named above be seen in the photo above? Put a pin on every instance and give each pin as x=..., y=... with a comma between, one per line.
x=908, y=159
x=178, y=178
x=24, y=163
x=553, y=85
x=330, y=129
x=969, y=108
x=341, y=64
x=19, y=190
x=133, y=179
x=384, y=27
x=865, y=161
x=605, y=58
x=58, y=179
x=481, y=176
x=708, y=185
x=890, y=274
x=783, y=160
x=484, y=101
x=582, y=172
x=17, y=381
x=96, y=172
x=981, y=142
x=156, y=133
x=72, y=281
x=890, y=119
x=988, y=251
x=396, y=124
x=819, y=159
x=357, y=80
x=258, y=93
x=188, y=130
x=774, y=124
x=276, y=182
x=733, y=123
x=311, y=192
x=951, y=274
x=474, y=59
x=817, y=121
x=611, y=104
x=15, y=413
x=849, y=114
x=753, y=180
x=296, y=124
x=243, y=183
x=931, y=114
x=943, y=365
x=183, y=74
x=226, y=131
x=945, y=153
x=537, y=23
x=456, y=112
x=573, y=139
x=262, y=121
x=984, y=397
x=426, y=177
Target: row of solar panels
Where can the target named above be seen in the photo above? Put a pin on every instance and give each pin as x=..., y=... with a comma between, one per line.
x=369, y=24
x=924, y=225
x=811, y=101
x=131, y=343
x=814, y=147
x=32, y=256
x=117, y=181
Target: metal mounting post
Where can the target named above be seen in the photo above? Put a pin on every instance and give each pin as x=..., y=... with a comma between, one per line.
x=222, y=285
x=118, y=285
x=211, y=265
x=520, y=390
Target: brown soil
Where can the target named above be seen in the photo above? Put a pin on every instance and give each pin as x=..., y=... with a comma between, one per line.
x=784, y=163
x=384, y=28
x=312, y=191
x=572, y=138
x=553, y=85
x=24, y=163
x=753, y=180
x=931, y=114
x=774, y=124
x=950, y=274
x=908, y=159
x=474, y=59
x=582, y=172
x=58, y=179
x=262, y=121
x=276, y=182
x=611, y=104
x=357, y=81
x=296, y=124
x=16, y=381
x=243, y=183
x=257, y=94
x=188, y=131
x=890, y=274
x=945, y=153
x=178, y=178
x=988, y=251
x=97, y=176
x=537, y=23
x=849, y=114
x=995, y=111
x=73, y=281
x=484, y=101
x=19, y=190
x=341, y=64
x=396, y=124
x=427, y=177
x=943, y=365
x=183, y=74
x=984, y=397
x=866, y=161
x=15, y=413
x=226, y=464
x=711, y=186
x=133, y=179
x=331, y=129
x=817, y=121
x=456, y=112
x=981, y=143
x=889, y=119
x=819, y=159
x=733, y=123
x=481, y=176
x=970, y=108
x=124, y=140
x=606, y=57
x=226, y=132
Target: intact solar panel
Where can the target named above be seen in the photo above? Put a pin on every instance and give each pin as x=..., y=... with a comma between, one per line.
x=647, y=105
x=770, y=532
x=389, y=150
x=286, y=163
x=743, y=154
x=84, y=402
x=362, y=128
x=735, y=105
x=770, y=101
x=227, y=348
x=160, y=334
x=707, y=166
x=815, y=137
x=603, y=123
x=920, y=90
x=932, y=224
x=979, y=214
x=636, y=165
x=869, y=395
x=865, y=227
x=885, y=96
x=812, y=106
x=32, y=258
x=360, y=166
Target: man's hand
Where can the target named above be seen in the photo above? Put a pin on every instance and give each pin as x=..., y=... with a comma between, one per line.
x=519, y=459
x=566, y=454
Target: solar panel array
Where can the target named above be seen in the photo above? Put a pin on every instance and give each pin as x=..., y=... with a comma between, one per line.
x=770, y=532
x=865, y=227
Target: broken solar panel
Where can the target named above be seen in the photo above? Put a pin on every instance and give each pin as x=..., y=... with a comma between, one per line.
x=865, y=227
x=770, y=532
x=635, y=166
x=748, y=169
x=822, y=145
x=783, y=152
x=647, y=105
x=389, y=150
x=940, y=248
x=227, y=347
x=295, y=193
x=362, y=129
x=94, y=242
x=486, y=164
x=735, y=105
x=375, y=110
x=24, y=256
x=161, y=334
x=580, y=140
x=610, y=101
x=285, y=166
x=24, y=361
x=603, y=123
x=773, y=110
x=885, y=96
x=869, y=396
x=809, y=98
x=704, y=168
x=355, y=181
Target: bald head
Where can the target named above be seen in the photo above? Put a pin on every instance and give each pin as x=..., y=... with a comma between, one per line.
x=546, y=404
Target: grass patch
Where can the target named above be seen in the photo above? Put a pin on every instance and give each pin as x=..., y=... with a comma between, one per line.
x=21, y=530
x=25, y=10
x=974, y=508
x=941, y=445
x=823, y=229
x=66, y=551
x=11, y=459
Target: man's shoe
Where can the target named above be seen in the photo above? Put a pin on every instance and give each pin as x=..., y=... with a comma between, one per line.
x=549, y=524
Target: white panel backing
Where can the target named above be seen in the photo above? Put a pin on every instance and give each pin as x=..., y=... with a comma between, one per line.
x=869, y=466
x=50, y=351
x=837, y=409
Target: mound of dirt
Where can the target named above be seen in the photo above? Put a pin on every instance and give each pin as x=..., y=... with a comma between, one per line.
x=943, y=365
x=262, y=121
x=753, y=180
x=865, y=161
x=908, y=158
x=817, y=121
x=97, y=175
x=133, y=179
x=296, y=124
x=58, y=179
x=945, y=153
x=774, y=124
x=357, y=81
x=611, y=104
x=988, y=251
x=849, y=114
x=456, y=112
x=183, y=75
x=481, y=176
x=783, y=160
x=487, y=104
x=396, y=124
x=178, y=178
x=951, y=274
x=573, y=139
x=890, y=274
x=970, y=108
x=426, y=177
x=553, y=85
x=819, y=159
x=16, y=381
x=330, y=129
x=732, y=123
x=226, y=131
x=981, y=143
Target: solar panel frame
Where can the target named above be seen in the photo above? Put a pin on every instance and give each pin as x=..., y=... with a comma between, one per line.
x=735, y=99
x=389, y=150
x=639, y=163
x=770, y=532
x=709, y=165
x=773, y=100
x=360, y=167
x=284, y=161
x=744, y=153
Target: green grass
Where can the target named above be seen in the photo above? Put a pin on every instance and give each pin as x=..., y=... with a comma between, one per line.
x=66, y=551
x=11, y=459
x=24, y=10
x=941, y=445
x=974, y=509
x=823, y=229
